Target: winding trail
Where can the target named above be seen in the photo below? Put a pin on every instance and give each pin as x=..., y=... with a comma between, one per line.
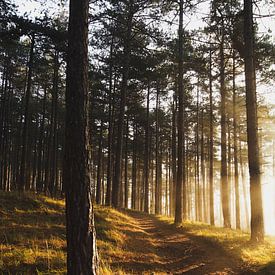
x=156, y=247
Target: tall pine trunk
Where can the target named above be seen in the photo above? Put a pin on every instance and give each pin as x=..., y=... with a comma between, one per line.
x=211, y=146
x=236, y=168
x=25, y=133
x=257, y=223
x=118, y=153
x=224, y=179
x=180, y=165
x=146, y=161
x=81, y=244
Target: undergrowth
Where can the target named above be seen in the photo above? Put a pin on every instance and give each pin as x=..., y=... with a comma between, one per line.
x=33, y=240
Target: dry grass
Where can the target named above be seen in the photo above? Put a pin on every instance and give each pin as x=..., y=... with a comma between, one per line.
x=32, y=234
x=234, y=242
x=33, y=241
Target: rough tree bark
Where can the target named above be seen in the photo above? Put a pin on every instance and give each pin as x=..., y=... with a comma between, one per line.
x=257, y=223
x=81, y=245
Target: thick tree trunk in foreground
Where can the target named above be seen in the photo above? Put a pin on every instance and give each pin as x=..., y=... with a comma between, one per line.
x=81, y=246
x=257, y=223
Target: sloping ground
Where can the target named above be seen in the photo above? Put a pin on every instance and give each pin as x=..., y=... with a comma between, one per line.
x=161, y=248
x=32, y=241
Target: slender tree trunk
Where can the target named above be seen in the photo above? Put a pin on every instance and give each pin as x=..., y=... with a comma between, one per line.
x=134, y=171
x=199, y=197
x=40, y=146
x=53, y=182
x=236, y=168
x=203, y=169
x=127, y=51
x=257, y=222
x=81, y=244
x=126, y=166
x=110, y=130
x=157, y=210
x=99, y=166
x=211, y=144
x=174, y=155
x=180, y=168
x=244, y=186
x=224, y=179
x=25, y=133
x=146, y=161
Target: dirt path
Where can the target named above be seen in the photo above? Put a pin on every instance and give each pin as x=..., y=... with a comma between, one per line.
x=155, y=247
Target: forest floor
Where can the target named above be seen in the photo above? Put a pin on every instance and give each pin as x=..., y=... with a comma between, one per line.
x=158, y=247
x=32, y=241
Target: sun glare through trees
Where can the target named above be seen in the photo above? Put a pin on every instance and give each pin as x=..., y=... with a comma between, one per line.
x=133, y=129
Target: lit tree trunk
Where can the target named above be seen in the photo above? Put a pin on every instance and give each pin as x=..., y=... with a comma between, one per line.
x=257, y=223
x=229, y=166
x=211, y=149
x=126, y=166
x=99, y=190
x=174, y=154
x=224, y=179
x=134, y=170
x=236, y=168
x=110, y=129
x=203, y=169
x=81, y=244
x=244, y=185
x=198, y=181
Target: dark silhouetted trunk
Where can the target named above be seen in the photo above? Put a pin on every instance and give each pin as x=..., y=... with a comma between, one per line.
x=257, y=223
x=180, y=167
x=157, y=195
x=25, y=132
x=81, y=244
x=126, y=195
x=118, y=153
x=146, y=161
